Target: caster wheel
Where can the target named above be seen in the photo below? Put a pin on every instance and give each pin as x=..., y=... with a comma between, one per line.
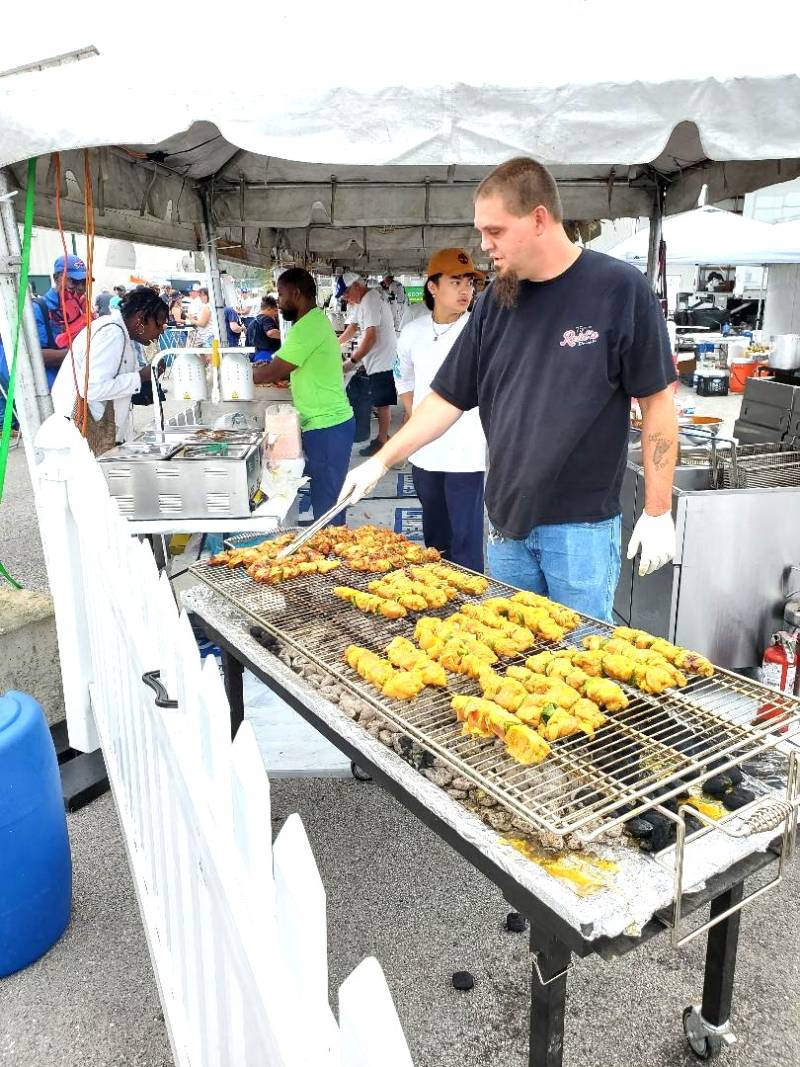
x=358, y=774
x=704, y=1046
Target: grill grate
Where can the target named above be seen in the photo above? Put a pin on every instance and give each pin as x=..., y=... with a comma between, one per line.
x=641, y=756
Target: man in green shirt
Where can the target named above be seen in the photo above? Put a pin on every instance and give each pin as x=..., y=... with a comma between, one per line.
x=311, y=359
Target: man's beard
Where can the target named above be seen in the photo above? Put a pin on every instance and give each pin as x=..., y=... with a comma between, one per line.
x=505, y=289
x=290, y=314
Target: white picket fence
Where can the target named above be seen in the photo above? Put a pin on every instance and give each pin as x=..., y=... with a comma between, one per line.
x=236, y=925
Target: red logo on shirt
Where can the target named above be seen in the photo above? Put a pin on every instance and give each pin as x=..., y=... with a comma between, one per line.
x=582, y=335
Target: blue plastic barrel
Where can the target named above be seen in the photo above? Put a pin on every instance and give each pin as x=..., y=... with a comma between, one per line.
x=35, y=864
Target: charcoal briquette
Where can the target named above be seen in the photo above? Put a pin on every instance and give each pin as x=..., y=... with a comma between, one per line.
x=463, y=980
x=662, y=790
x=718, y=786
x=662, y=834
x=515, y=923
x=639, y=828
x=693, y=746
x=737, y=798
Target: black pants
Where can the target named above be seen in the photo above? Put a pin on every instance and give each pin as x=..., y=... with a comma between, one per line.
x=360, y=396
x=452, y=514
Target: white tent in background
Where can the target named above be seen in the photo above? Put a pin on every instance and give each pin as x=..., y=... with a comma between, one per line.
x=711, y=236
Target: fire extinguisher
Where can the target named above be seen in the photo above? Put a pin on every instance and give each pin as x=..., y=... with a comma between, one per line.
x=779, y=670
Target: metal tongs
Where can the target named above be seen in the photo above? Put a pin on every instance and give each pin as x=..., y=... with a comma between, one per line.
x=315, y=527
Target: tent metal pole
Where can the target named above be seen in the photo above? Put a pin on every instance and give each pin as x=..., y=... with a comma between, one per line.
x=32, y=398
x=761, y=298
x=212, y=262
x=654, y=243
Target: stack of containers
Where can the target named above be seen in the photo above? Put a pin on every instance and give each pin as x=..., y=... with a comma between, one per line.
x=710, y=379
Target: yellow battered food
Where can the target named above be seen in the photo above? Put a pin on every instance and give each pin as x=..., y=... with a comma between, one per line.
x=485, y=718
x=378, y=672
x=682, y=658
x=368, y=602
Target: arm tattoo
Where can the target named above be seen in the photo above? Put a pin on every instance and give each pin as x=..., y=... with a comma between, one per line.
x=662, y=449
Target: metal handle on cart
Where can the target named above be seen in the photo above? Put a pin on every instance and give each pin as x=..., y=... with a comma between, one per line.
x=152, y=679
x=760, y=816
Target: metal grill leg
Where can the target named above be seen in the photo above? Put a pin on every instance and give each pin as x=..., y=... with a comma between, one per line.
x=233, y=676
x=723, y=940
x=707, y=1027
x=157, y=544
x=548, y=1002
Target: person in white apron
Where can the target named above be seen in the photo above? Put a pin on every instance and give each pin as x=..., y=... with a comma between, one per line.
x=115, y=375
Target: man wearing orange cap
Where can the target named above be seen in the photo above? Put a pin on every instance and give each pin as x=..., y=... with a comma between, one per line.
x=448, y=473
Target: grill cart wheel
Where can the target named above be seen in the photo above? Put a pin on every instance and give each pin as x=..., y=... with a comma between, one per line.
x=703, y=1042
x=358, y=774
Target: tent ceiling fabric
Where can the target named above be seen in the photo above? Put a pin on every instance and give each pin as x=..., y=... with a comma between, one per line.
x=308, y=161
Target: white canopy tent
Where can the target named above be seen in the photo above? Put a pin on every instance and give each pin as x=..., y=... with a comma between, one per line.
x=292, y=155
x=708, y=235
x=361, y=144
x=789, y=231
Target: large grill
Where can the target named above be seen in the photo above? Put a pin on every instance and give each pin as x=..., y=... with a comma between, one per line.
x=643, y=755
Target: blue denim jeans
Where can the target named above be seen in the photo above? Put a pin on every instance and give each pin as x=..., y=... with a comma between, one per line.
x=575, y=563
x=327, y=459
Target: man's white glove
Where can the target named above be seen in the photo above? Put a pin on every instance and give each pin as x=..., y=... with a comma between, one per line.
x=655, y=536
x=362, y=479
x=348, y=366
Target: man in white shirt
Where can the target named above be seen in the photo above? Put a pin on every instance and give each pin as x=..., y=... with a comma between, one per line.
x=376, y=350
x=448, y=473
x=249, y=306
x=396, y=295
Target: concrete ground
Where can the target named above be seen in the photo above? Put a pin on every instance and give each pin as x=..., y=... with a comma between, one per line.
x=397, y=892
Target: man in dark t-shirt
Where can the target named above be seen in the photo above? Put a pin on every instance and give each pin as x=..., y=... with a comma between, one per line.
x=554, y=351
x=263, y=333
x=233, y=326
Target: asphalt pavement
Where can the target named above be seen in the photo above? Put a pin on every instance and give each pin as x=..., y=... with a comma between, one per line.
x=397, y=892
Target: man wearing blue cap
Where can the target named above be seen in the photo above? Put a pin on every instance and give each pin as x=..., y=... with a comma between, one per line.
x=67, y=314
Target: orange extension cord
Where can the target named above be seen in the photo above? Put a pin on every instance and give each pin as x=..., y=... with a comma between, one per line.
x=89, y=227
